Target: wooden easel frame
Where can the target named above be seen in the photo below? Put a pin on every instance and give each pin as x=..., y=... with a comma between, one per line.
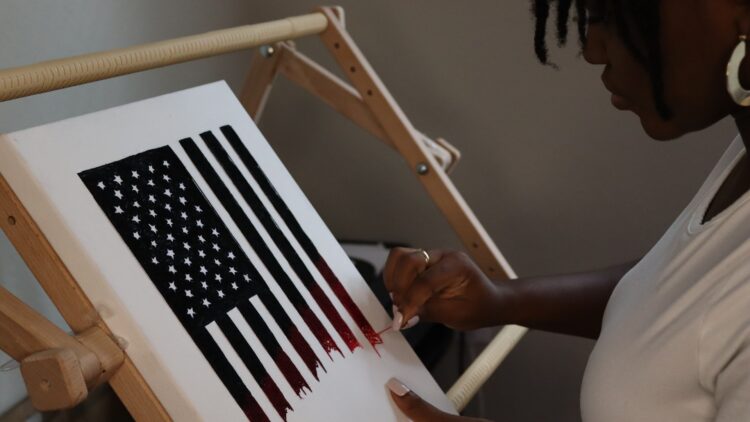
x=366, y=101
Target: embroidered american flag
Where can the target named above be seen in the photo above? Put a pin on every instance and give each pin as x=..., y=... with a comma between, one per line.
x=209, y=283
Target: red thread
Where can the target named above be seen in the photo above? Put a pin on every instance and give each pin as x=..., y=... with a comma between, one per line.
x=385, y=329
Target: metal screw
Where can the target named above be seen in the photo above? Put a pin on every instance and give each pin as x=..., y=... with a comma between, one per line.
x=267, y=51
x=422, y=169
x=11, y=220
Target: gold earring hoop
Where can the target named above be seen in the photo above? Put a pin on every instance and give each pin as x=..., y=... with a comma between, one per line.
x=739, y=94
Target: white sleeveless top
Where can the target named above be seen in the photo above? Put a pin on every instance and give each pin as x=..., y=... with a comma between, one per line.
x=675, y=341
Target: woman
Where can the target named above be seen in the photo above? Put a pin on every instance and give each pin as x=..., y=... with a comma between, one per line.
x=672, y=329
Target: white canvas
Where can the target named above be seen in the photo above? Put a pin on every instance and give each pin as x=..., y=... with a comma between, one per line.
x=42, y=165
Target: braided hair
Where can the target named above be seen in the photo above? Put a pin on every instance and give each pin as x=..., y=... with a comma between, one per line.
x=631, y=18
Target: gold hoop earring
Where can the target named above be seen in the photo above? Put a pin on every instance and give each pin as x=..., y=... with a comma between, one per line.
x=739, y=94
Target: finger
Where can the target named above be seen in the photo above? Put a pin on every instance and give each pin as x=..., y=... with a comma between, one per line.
x=427, y=285
x=409, y=266
x=401, y=273
x=390, y=266
x=411, y=322
x=412, y=405
x=398, y=321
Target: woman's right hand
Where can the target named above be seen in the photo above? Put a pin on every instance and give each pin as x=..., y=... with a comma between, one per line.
x=448, y=288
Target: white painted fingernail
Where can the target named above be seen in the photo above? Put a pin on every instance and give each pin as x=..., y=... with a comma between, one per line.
x=391, y=296
x=398, y=319
x=412, y=322
x=397, y=387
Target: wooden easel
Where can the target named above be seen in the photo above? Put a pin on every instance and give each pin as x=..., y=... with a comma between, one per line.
x=59, y=369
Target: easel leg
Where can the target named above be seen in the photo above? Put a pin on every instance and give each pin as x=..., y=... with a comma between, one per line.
x=70, y=300
x=259, y=79
x=406, y=140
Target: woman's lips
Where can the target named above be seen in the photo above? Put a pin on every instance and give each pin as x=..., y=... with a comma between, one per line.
x=620, y=102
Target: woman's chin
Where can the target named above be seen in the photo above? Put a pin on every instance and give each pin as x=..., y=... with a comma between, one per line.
x=659, y=129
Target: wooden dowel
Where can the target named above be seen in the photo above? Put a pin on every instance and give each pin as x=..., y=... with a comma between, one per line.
x=56, y=74
x=471, y=381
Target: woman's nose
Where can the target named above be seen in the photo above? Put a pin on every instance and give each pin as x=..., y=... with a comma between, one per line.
x=595, y=51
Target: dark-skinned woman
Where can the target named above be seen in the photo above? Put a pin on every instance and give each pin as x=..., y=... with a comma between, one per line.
x=673, y=328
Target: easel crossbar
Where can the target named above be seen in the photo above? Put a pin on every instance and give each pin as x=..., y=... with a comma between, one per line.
x=62, y=73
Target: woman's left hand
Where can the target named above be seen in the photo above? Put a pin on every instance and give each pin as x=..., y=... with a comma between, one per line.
x=418, y=410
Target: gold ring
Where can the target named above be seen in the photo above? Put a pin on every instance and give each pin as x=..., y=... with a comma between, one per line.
x=426, y=256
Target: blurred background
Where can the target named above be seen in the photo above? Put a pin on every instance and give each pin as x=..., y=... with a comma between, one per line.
x=561, y=180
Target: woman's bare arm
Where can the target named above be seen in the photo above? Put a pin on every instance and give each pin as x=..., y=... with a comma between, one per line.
x=568, y=304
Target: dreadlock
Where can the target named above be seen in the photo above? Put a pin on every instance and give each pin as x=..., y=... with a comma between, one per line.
x=563, y=13
x=645, y=23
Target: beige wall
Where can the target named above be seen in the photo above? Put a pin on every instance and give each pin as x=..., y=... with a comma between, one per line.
x=560, y=179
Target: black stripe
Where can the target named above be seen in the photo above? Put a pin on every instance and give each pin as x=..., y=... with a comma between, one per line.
x=256, y=241
x=228, y=376
x=253, y=364
x=280, y=357
x=270, y=191
x=286, y=324
x=278, y=237
x=307, y=245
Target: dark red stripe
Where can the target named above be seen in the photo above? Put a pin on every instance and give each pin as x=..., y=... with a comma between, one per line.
x=306, y=353
x=280, y=358
x=286, y=248
x=327, y=307
x=287, y=326
x=338, y=289
x=307, y=245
